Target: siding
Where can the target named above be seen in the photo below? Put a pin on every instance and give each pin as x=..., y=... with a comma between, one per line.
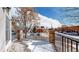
x=2, y=30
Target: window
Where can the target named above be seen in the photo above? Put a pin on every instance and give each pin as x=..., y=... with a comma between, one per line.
x=7, y=29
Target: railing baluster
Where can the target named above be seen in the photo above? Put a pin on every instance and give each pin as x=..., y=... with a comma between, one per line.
x=67, y=42
x=71, y=46
x=76, y=46
x=62, y=45
x=67, y=45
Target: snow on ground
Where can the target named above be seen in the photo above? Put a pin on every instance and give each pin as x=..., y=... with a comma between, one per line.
x=41, y=46
x=31, y=45
x=18, y=46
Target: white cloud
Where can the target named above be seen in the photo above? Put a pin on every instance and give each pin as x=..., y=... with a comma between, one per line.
x=44, y=21
x=49, y=22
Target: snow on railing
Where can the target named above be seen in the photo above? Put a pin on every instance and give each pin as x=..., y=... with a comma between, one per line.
x=68, y=42
x=75, y=38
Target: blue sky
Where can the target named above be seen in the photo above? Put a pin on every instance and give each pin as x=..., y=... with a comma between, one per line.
x=51, y=12
x=56, y=13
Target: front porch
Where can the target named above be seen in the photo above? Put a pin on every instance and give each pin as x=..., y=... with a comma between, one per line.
x=33, y=43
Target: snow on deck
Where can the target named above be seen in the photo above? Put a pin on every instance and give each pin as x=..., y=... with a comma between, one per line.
x=41, y=46
x=31, y=45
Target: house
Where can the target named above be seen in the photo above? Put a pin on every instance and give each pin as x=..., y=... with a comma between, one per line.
x=5, y=28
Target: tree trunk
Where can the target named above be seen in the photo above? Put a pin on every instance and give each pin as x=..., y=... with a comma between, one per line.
x=25, y=27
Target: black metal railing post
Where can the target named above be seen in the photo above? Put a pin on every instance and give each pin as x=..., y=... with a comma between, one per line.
x=67, y=45
x=71, y=46
x=68, y=42
x=76, y=46
x=62, y=45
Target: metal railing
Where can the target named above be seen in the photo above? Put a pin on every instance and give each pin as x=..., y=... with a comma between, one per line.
x=67, y=43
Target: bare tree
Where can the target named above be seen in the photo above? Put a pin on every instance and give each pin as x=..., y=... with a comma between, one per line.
x=28, y=17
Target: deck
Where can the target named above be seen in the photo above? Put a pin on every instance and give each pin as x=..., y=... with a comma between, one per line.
x=32, y=44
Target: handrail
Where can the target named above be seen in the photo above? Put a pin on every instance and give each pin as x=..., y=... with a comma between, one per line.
x=67, y=42
x=75, y=38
